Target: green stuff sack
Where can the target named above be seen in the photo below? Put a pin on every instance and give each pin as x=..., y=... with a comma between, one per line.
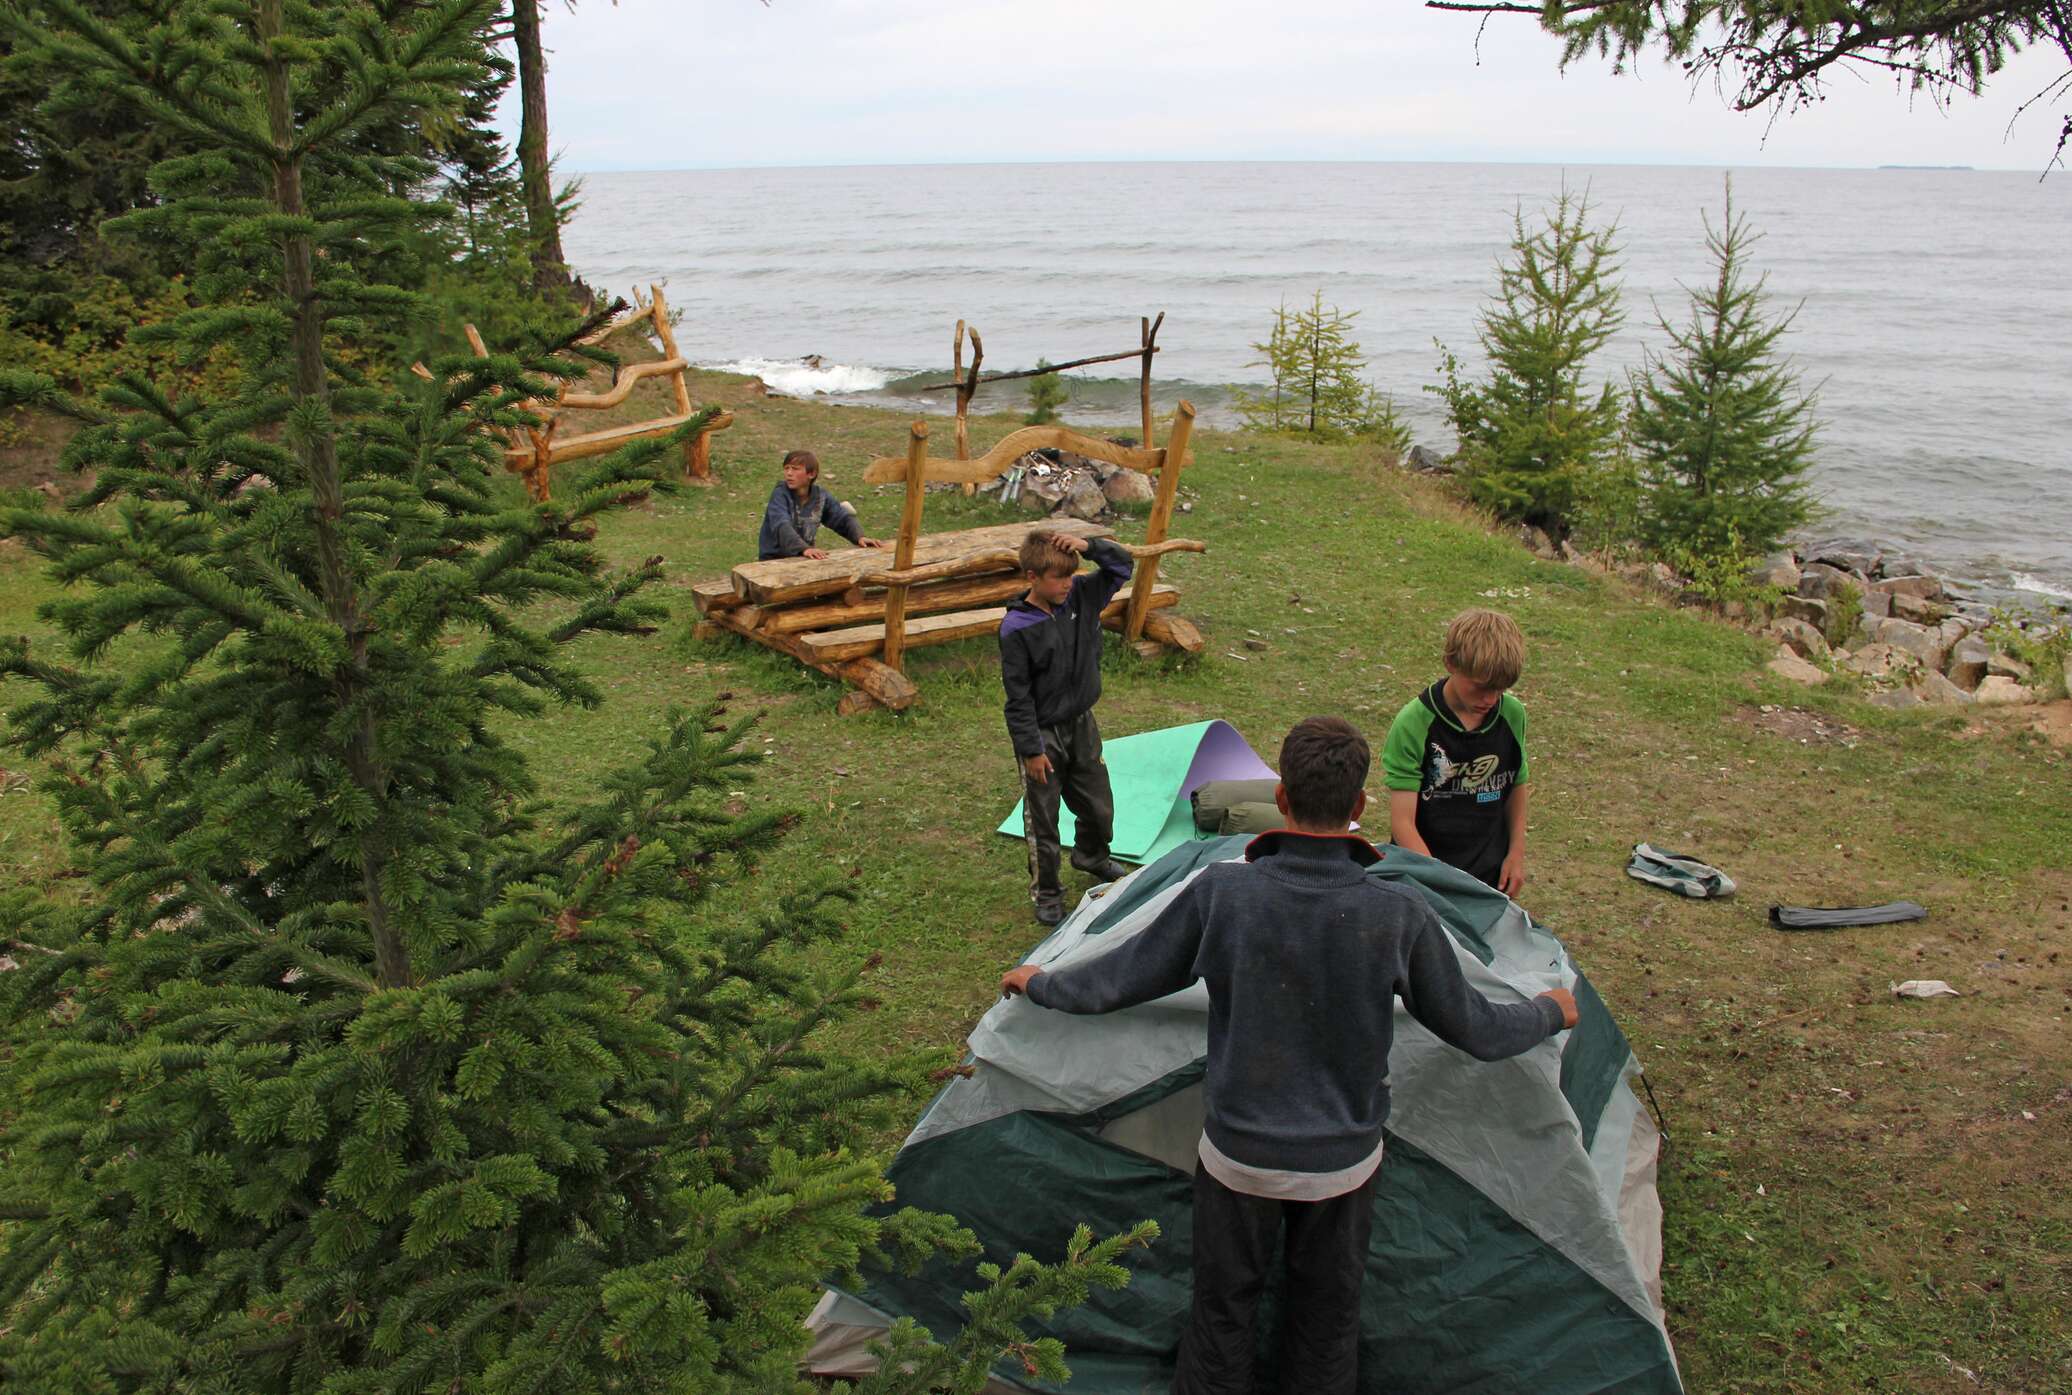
x=1236, y=806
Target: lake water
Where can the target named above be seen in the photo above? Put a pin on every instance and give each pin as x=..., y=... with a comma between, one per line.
x=1934, y=319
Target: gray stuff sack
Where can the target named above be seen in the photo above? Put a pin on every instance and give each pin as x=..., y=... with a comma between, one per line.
x=1686, y=876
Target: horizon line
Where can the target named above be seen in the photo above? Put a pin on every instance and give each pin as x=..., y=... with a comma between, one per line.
x=1883, y=167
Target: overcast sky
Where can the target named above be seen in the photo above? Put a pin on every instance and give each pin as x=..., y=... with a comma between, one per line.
x=685, y=84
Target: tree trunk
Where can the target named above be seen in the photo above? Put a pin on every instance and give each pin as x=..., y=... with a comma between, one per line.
x=549, y=264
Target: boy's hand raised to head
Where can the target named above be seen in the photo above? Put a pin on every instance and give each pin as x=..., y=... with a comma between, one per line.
x=1566, y=1001
x=1017, y=980
x=1066, y=542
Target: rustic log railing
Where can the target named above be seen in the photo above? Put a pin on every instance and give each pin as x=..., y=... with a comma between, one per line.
x=967, y=385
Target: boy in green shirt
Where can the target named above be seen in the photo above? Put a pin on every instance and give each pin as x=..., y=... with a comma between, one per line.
x=1455, y=761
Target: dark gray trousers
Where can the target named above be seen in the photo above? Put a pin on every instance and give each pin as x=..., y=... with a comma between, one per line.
x=1234, y=1238
x=1079, y=778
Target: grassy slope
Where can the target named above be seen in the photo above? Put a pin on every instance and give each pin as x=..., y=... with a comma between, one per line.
x=1857, y=1196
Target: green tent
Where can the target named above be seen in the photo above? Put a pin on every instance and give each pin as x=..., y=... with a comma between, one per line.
x=1517, y=1237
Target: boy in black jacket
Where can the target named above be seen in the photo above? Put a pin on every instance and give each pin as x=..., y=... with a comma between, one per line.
x=1304, y=955
x=1050, y=664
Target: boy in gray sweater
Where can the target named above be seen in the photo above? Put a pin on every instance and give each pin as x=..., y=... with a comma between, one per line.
x=1304, y=955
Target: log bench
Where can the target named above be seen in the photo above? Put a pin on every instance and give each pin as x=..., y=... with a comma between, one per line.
x=854, y=613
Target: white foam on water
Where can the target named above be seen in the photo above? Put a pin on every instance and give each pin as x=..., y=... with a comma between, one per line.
x=2023, y=581
x=797, y=378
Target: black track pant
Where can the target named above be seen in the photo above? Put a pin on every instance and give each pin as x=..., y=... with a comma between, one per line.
x=1079, y=777
x=1234, y=1237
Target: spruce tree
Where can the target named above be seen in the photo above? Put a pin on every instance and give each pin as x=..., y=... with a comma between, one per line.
x=350, y=1065
x=1532, y=434
x=1721, y=431
x=1316, y=386
x=1046, y=394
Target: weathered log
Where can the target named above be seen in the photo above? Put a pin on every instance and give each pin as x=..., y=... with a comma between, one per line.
x=629, y=378
x=890, y=469
x=976, y=562
x=717, y=594
x=921, y=600
x=786, y=579
x=658, y=308
x=1161, y=517
x=885, y=685
x=1037, y=372
x=1149, y=332
x=1174, y=630
x=857, y=641
x=894, y=690
x=903, y=548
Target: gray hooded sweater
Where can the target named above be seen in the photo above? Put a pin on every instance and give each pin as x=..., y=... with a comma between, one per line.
x=1304, y=955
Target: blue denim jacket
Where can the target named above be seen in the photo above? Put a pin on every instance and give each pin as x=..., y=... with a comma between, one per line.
x=789, y=525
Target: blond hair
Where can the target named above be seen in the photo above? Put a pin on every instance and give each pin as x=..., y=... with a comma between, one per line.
x=1485, y=645
x=1042, y=554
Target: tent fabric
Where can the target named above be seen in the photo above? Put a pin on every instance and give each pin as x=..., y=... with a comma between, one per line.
x=1153, y=773
x=1517, y=1235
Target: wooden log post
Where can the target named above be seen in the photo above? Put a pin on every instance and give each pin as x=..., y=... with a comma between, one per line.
x=1161, y=517
x=965, y=389
x=1149, y=330
x=909, y=530
x=957, y=376
x=697, y=451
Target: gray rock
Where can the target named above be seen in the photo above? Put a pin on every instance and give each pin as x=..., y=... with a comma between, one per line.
x=1779, y=569
x=1803, y=639
x=1898, y=699
x=2068, y=675
x=1899, y=564
x=1997, y=691
x=1128, y=487
x=1878, y=661
x=1536, y=540
x=1878, y=603
x=1929, y=646
x=2007, y=666
x=1796, y=669
x=1940, y=691
x=1087, y=501
x=1966, y=665
x=1921, y=587
x=1822, y=582
x=1921, y=612
x=1662, y=577
x=1804, y=608
x=1427, y=461
x=1845, y=554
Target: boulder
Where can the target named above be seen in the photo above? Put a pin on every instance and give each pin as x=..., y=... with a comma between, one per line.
x=1997, y=691
x=1931, y=647
x=1128, y=487
x=1966, y=665
x=1536, y=540
x=2000, y=665
x=1845, y=554
x=1940, y=691
x=1914, y=608
x=1878, y=603
x=1804, y=608
x=1899, y=564
x=1898, y=699
x=1920, y=587
x=1801, y=638
x=1427, y=461
x=1878, y=661
x=1821, y=581
x=1779, y=569
x=1791, y=666
x=1087, y=501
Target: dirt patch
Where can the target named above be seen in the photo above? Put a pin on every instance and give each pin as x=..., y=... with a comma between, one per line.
x=29, y=446
x=2050, y=720
x=1797, y=724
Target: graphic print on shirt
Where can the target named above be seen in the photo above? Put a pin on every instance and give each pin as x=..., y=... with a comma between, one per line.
x=1479, y=777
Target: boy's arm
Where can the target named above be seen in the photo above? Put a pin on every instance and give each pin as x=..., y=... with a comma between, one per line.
x=1160, y=960
x=1511, y=879
x=1439, y=995
x=777, y=518
x=1403, y=822
x=1021, y=698
x=843, y=521
x=1115, y=566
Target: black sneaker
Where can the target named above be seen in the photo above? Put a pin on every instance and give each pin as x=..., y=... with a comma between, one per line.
x=1049, y=912
x=1105, y=869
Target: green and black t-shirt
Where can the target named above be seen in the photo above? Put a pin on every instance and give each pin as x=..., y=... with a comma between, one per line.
x=1463, y=778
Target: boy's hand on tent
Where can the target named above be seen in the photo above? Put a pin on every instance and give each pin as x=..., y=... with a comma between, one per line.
x=1566, y=1001
x=1510, y=878
x=1017, y=980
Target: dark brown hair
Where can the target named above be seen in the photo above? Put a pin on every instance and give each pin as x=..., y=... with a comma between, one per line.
x=805, y=458
x=1041, y=554
x=1323, y=766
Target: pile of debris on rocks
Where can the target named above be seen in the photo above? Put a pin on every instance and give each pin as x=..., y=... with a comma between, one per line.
x=1064, y=485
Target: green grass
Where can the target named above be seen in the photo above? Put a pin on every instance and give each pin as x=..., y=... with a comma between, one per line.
x=1857, y=1194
